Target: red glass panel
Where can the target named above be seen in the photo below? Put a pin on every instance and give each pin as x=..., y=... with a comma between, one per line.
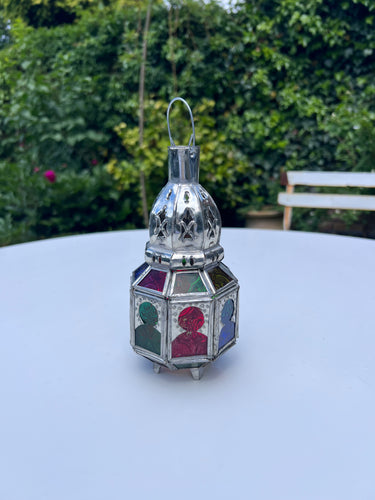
x=190, y=342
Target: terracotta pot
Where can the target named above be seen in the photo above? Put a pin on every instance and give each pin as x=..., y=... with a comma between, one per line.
x=267, y=218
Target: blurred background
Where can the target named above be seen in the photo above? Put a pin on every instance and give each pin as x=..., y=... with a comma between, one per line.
x=274, y=85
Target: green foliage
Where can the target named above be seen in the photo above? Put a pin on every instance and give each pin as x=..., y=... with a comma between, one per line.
x=222, y=162
x=274, y=85
x=4, y=31
x=33, y=207
x=308, y=87
x=45, y=12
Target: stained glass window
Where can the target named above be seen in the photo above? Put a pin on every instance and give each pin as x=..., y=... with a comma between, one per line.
x=188, y=283
x=146, y=335
x=140, y=270
x=219, y=278
x=190, y=342
x=154, y=279
x=228, y=331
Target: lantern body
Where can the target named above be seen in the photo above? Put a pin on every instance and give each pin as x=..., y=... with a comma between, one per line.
x=183, y=299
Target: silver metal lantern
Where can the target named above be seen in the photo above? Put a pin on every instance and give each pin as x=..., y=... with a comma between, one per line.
x=183, y=299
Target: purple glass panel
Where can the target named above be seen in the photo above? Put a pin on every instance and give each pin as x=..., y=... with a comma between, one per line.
x=154, y=280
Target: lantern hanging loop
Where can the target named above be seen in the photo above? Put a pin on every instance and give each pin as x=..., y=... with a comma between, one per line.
x=192, y=137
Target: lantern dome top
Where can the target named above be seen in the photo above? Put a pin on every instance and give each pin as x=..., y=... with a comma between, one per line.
x=185, y=224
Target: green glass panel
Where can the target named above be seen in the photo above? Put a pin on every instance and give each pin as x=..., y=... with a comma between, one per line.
x=148, y=313
x=188, y=283
x=219, y=278
x=146, y=335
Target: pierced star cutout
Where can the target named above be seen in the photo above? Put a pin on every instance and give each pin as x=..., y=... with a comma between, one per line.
x=161, y=230
x=188, y=225
x=203, y=193
x=211, y=221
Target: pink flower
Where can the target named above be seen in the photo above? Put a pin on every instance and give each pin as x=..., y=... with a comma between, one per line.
x=50, y=175
x=36, y=169
x=94, y=161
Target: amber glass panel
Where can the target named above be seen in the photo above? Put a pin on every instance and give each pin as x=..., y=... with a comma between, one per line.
x=219, y=278
x=188, y=283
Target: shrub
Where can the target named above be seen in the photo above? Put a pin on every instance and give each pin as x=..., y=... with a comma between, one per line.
x=274, y=85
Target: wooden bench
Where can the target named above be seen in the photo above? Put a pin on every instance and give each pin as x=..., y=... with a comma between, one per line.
x=290, y=199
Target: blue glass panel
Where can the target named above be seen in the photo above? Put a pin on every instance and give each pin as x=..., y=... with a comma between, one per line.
x=140, y=270
x=228, y=330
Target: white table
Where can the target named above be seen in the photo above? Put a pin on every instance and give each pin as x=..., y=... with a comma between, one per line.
x=288, y=413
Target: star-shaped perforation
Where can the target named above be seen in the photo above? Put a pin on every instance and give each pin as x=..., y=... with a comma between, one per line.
x=187, y=225
x=212, y=223
x=161, y=230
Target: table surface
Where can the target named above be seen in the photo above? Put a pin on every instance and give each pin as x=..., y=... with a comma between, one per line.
x=288, y=413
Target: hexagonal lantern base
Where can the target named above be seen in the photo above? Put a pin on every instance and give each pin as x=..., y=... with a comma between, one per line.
x=184, y=318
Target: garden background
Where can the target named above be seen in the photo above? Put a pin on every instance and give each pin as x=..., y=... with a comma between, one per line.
x=84, y=88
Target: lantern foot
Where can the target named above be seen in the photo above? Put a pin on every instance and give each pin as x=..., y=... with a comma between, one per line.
x=157, y=368
x=197, y=373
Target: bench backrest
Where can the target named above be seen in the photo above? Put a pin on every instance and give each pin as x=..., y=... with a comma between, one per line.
x=337, y=179
x=331, y=201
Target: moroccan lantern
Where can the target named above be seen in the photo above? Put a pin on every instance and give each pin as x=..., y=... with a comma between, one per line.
x=183, y=299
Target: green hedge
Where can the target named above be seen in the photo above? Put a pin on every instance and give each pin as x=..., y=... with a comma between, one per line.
x=274, y=85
